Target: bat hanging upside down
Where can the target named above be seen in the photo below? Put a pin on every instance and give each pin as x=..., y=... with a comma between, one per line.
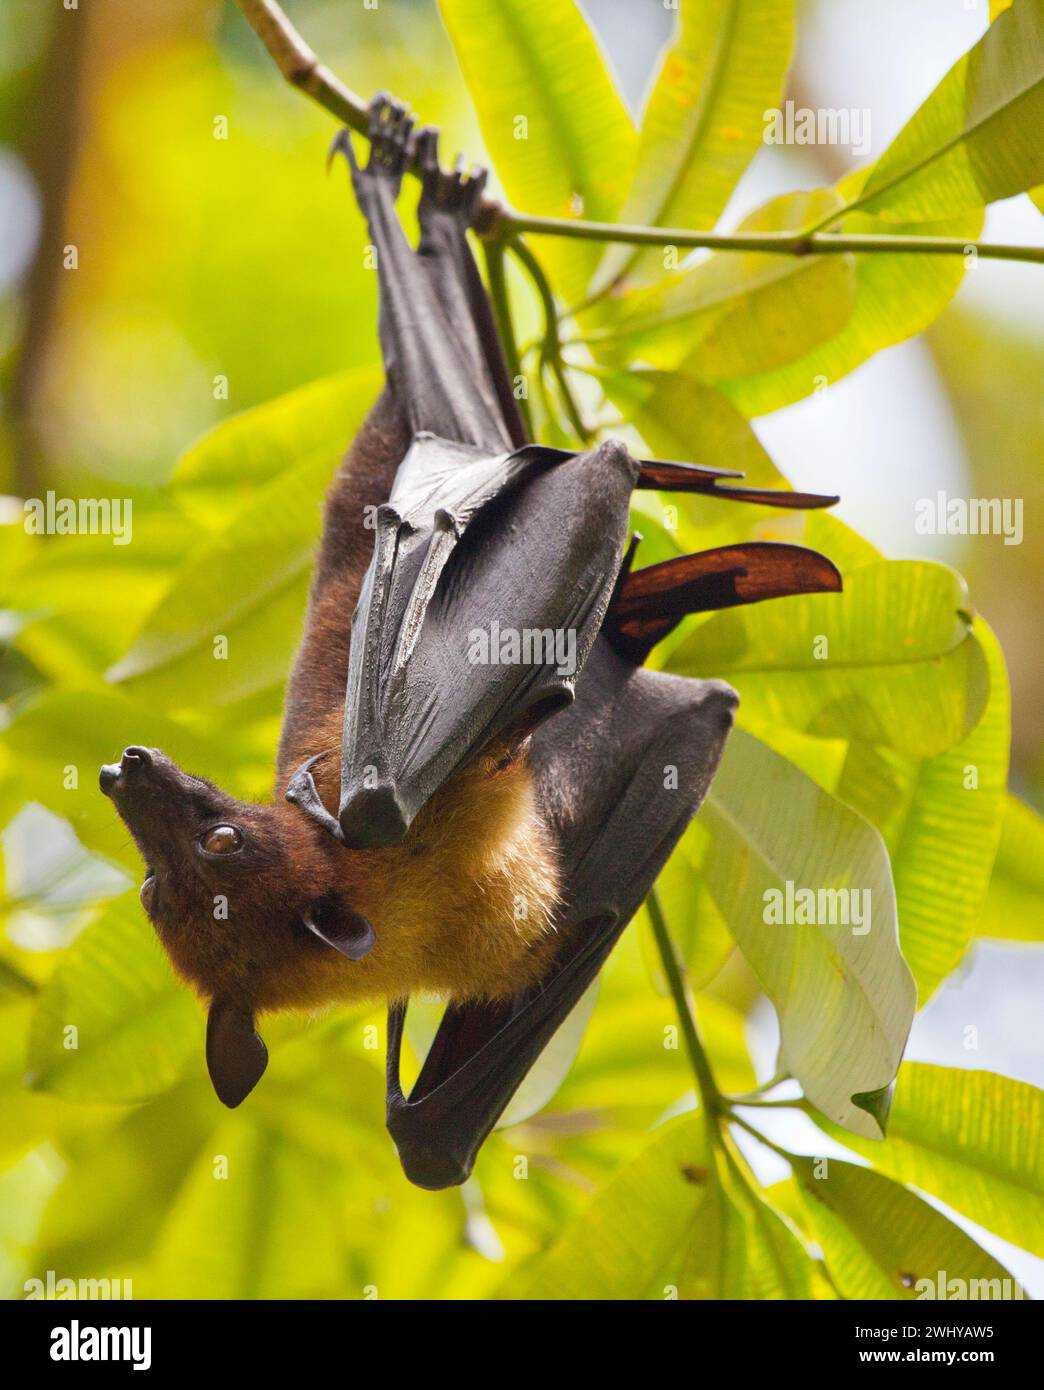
x=454, y=816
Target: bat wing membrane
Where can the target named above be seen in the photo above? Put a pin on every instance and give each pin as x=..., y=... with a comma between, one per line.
x=666, y=734
x=467, y=548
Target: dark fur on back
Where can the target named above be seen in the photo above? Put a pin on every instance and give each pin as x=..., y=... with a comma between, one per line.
x=315, y=692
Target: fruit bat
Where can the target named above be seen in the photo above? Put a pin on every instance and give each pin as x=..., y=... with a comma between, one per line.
x=478, y=781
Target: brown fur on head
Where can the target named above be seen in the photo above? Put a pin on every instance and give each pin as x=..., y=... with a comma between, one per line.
x=461, y=908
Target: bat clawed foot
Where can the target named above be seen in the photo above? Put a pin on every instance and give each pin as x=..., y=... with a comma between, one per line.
x=391, y=126
x=454, y=192
x=391, y=148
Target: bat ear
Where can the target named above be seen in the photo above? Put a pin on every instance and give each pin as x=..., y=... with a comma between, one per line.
x=340, y=926
x=236, y=1056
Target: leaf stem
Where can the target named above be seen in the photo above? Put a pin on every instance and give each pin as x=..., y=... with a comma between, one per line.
x=501, y=301
x=303, y=70
x=551, y=350
x=756, y=1134
x=775, y=243
x=708, y=1091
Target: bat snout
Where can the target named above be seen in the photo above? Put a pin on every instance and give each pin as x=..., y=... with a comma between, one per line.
x=135, y=763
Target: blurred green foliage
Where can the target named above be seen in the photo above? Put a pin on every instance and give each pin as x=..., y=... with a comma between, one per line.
x=221, y=292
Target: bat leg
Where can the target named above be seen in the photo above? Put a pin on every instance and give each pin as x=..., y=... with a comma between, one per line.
x=431, y=358
x=620, y=773
x=447, y=208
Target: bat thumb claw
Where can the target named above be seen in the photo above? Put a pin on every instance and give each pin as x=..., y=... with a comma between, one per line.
x=341, y=144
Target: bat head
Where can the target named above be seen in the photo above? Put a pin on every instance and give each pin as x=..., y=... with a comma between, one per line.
x=243, y=914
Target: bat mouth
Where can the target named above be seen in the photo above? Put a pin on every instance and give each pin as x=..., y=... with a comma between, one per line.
x=147, y=891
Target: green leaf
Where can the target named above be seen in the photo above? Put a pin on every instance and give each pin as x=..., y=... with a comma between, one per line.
x=977, y=137
x=843, y=993
x=973, y=1139
x=681, y=418
x=256, y=483
x=575, y=154
x=882, y=1241
x=113, y=1200
x=632, y=1067
x=736, y=313
x=891, y=660
x=136, y=1026
x=675, y=1222
x=894, y=297
x=264, y=558
x=704, y=119
x=67, y=731
x=1014, y=907
x=224, y=470
x=270, y=1228
x=924, y=809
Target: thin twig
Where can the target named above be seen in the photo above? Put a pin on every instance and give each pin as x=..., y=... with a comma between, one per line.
x=499, y=298
x=302, y=68
x=551, y=350
x=774, y=243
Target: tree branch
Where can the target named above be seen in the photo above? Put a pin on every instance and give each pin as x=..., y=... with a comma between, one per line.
x=302, y=68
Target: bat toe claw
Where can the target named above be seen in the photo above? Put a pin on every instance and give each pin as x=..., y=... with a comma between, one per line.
x=302, y=792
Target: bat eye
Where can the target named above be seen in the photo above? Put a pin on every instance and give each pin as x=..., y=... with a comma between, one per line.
x=221, y=839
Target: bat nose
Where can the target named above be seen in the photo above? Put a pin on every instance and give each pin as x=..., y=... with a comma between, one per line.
x=373, y=818
x=135, y=760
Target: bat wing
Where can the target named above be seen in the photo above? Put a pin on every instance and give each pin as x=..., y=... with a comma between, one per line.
x=650, y=602
x=692, y=477
x=620, y=774
x=472, y=550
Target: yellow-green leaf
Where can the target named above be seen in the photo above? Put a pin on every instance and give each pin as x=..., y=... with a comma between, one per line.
x=113, y=1023
x=882, y=1241
x=977, y=137
x=1014, y=907
x=891, y=660
x=704, y=119
x=675, y=1222
x=555, y=126
x=973, y=1139
x=844, y=995
x=924, y=808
